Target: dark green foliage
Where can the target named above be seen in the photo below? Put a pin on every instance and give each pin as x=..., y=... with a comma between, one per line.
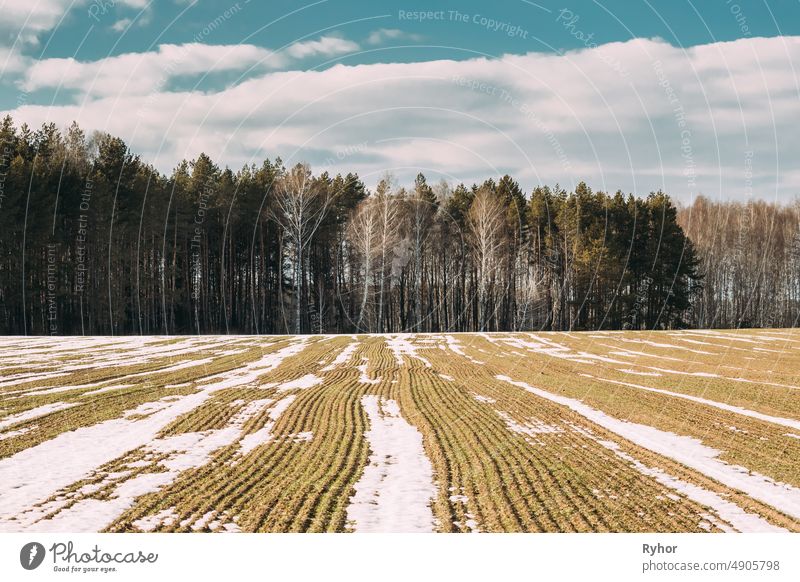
x=95, y=241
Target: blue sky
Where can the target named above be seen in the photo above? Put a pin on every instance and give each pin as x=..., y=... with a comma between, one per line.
x=692, y=97
x=680, y=22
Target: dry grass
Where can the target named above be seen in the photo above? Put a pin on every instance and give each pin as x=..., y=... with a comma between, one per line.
x=503, y=458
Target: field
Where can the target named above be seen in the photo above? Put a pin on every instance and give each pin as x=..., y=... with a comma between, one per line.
x=684, y=431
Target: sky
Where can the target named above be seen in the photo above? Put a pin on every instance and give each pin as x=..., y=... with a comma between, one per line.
x=687, y=97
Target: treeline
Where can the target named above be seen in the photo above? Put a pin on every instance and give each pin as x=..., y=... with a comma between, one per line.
x=95, y=241
x=750, y=258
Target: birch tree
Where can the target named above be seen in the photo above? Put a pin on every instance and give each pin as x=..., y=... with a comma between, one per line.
x=486, y=222
x=299, y=207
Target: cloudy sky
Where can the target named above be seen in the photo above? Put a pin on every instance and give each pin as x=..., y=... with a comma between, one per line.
x=687, y=97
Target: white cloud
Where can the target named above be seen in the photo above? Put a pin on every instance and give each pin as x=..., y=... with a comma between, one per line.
x=121, y=25
x=30, y=17
x=26, y=19
x=143, y=73
x=326, y=46
x=383, y=35
x=725, y=112
x=11, y=61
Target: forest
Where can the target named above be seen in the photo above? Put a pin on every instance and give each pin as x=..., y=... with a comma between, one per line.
x=93, y=240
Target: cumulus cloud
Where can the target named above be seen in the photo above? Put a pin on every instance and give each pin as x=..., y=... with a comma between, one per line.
x=33, y=17
x=383, y=35
x=11, y=61
x=638, y=116
x=26, y=19
x=143, y=73
x=326, y=46
x=121, y=24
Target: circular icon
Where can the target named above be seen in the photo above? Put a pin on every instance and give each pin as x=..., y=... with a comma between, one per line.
x=31, y=555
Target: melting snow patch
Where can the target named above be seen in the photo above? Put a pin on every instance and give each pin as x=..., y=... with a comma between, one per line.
x=108, y=389
x=363, y=378
x=301, y=437
x=26, y=429
x=151, y=522
x=484, y=399
x=470, y=522
x=727, y=510
x=39, y=472
x=589, y=356
x=787, y=422
x=148, y=408
x=35, y=413
x=454, y=346
x=686, y=450
x=203, y=521
x=396, y=489
x=264, y=435
x=307, y=381
x=343, y=357
x=400, y=346
x=531, y=429
x=637, y=373
x=184, y=451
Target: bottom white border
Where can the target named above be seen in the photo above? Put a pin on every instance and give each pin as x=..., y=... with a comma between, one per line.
x=381, y=557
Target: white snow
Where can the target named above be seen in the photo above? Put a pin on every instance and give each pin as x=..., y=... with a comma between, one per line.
x=264, y=435
x=363, y=378
x=185, y=451
x=484, y=399
x=553, y=349
x=400, y=346
x=148, y=408
x=531, y=428
x=344, y=356
x=35, y=413
x=396, y=489
x=203, y=521
x=37, y=473
x=687, y=450
x=454, y=346
x=22, y=378
x=151, y=522
x=788, y=422
x=108, y=389
x=698, y=374
x=307, y=381
x=470, y=522
x=24, y=430
x=606, y=359
x=633, y=354
x=662, y=345
x=637, y=373
x=727, y=510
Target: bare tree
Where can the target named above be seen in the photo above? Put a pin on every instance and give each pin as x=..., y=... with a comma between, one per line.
x=389, y=210
x=487, y=233
x=299, y=207
x=374, y=233
x=363, y=235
